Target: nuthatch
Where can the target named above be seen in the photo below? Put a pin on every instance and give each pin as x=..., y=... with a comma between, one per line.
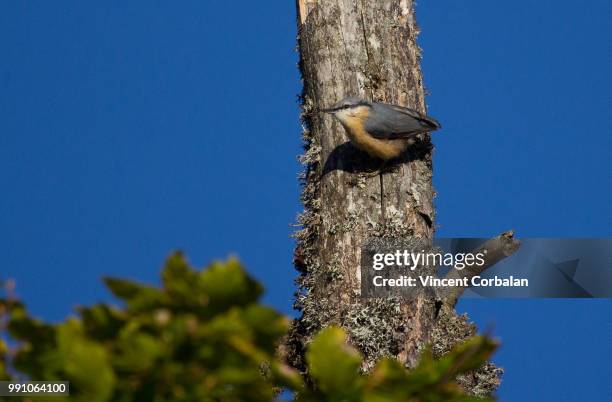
x=380, y=129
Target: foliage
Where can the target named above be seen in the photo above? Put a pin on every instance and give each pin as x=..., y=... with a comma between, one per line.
x=334, y=366
x=203, y=336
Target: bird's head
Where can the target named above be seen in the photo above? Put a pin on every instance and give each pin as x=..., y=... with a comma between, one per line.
x=349, y=108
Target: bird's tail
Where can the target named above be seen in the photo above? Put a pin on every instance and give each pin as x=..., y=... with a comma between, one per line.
x=430, y=123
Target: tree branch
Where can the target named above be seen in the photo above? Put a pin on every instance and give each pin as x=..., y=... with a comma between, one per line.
x=495, y=250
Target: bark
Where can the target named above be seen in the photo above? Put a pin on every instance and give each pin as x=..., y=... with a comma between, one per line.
x=366, y=48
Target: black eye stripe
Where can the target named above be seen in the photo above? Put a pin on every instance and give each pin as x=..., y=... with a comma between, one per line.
x=350, y=105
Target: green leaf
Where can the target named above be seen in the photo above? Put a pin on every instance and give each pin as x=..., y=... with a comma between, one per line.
x=101, y=321
x=179, y=278
x=268, y=326
x=286, y=376
x=123, y=288
x=136, y=351
x=86, y=364
x=138, y=297
x=23, y=327
x=227, y=285
x=333, y=364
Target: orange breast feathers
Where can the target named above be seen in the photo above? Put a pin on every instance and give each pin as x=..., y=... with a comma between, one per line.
x=354, y=124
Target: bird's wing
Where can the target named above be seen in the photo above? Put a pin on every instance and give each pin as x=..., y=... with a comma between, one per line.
x=392, y=122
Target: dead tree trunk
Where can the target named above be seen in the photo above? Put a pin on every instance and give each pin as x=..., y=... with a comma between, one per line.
x=366, y=48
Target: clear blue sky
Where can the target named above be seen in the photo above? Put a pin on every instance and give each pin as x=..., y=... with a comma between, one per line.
x=129, y=130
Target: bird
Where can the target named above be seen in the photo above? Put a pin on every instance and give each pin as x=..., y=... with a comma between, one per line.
x=382, y=130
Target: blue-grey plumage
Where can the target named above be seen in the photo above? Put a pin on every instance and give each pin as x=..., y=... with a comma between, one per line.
x=382, y=130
